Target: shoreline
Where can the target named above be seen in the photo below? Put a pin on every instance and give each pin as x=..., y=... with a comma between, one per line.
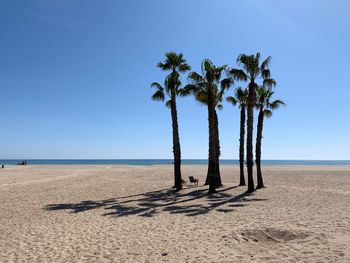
x=182, y=165
x=147, y=162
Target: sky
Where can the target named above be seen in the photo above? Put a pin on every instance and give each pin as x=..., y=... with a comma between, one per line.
x=75, y=76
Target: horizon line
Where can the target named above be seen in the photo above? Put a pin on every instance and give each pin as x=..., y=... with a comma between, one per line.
x=166, y=159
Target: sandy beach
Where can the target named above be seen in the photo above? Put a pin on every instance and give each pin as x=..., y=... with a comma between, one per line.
x=129, y=214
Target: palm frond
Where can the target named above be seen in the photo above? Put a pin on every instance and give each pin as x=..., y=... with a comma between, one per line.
x=267, y=113
x=226, y=83
x=220, y=107
x=232, y=100
x=238, y=74
x=184, y=67
x=260, y=91
x=241, y=95
x=265, y=64
x=257, y=106
x=194, y=77
x=187, y=90
x=261, y=97
x=158, y=95
x=207, y=65
x=266, y=74
x=218, y=72
x=269, y=83
x=202, y=97
x=257, y=56
x=172, y=81
x=276, y=104
x=157, y=86
x=168, y=104
x=241, y=59
x=164, y=66
x=249, y=64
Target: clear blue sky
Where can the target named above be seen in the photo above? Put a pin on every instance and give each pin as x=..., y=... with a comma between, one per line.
x=75, y=76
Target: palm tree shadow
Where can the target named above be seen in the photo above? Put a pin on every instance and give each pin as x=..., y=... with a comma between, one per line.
x=165, y=200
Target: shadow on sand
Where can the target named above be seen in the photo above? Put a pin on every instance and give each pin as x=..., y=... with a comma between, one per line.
x=164, y=200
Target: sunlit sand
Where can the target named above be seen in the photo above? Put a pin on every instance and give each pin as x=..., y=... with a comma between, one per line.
x=129, y=214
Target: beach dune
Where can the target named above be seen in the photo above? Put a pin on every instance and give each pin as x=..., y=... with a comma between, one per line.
x=116, y=213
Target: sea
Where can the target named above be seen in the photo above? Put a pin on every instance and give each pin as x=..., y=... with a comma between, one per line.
x=147, y=162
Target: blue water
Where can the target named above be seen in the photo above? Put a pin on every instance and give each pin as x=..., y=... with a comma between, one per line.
x=168, y=161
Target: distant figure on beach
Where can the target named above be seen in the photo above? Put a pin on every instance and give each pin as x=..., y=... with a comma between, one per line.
x=2, y=166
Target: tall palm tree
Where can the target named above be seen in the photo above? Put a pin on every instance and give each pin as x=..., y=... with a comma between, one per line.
x=265, y=107
x=240, y=98
x=176, y=64
x=209, y=89
x=251, y=71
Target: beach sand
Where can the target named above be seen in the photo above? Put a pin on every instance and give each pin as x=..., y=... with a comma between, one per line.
x=111, y=213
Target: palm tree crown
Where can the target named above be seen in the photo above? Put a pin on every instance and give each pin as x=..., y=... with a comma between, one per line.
x=264, y=101
x=240, y=97
x=252, y=69
x=176, y=64
x=209, y=82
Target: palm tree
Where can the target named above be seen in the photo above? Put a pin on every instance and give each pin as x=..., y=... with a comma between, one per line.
x=176, y=64
x=209, y=89
x=265, y=107
x=252, y=70
x=240, y=98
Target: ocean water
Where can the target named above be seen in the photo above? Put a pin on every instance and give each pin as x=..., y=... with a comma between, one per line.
x=166, y=161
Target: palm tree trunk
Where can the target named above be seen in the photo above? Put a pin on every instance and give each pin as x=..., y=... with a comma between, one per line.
x=241, y=146
x=250, y=122
x=176, y=147
x=258, y=149
x=214, y=166
x=211, y=151
x=218, y=151
x=212, y=175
